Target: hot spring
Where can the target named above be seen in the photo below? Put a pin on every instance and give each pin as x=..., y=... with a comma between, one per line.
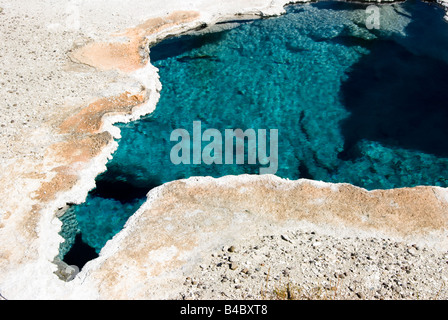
x=366, y=106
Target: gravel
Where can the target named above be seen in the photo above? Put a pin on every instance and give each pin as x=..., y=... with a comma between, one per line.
x=307, y=265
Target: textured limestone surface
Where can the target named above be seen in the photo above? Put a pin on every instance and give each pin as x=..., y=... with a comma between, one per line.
x=68, y=70
x=185, y=222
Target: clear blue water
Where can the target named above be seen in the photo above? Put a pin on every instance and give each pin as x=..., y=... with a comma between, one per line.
x=368, y=107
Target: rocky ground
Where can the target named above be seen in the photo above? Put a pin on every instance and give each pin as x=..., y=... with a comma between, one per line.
x=308, y=265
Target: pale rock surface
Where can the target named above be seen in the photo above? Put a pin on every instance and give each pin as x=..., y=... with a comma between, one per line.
x=170, y=239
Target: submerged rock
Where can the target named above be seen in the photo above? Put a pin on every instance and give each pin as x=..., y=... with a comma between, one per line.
x=65, y=272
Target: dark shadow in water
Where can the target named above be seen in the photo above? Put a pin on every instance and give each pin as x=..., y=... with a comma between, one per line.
x=397, y=97
x=177, y=46
x=122, y=186
x=340, y=5
x=304, y=171
x=80, y=253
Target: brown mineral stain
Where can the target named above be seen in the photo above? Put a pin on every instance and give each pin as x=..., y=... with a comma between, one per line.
x=125, y=55
x=90, y=119
x=82, y=149
x=62, y=181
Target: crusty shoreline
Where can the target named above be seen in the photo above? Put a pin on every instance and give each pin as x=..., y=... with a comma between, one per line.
x=56, y=88
x=184, y=222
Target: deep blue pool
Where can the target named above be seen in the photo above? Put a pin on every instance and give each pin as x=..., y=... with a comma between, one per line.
x=368, y=107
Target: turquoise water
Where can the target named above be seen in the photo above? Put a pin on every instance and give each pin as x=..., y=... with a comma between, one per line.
x=368, y=107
